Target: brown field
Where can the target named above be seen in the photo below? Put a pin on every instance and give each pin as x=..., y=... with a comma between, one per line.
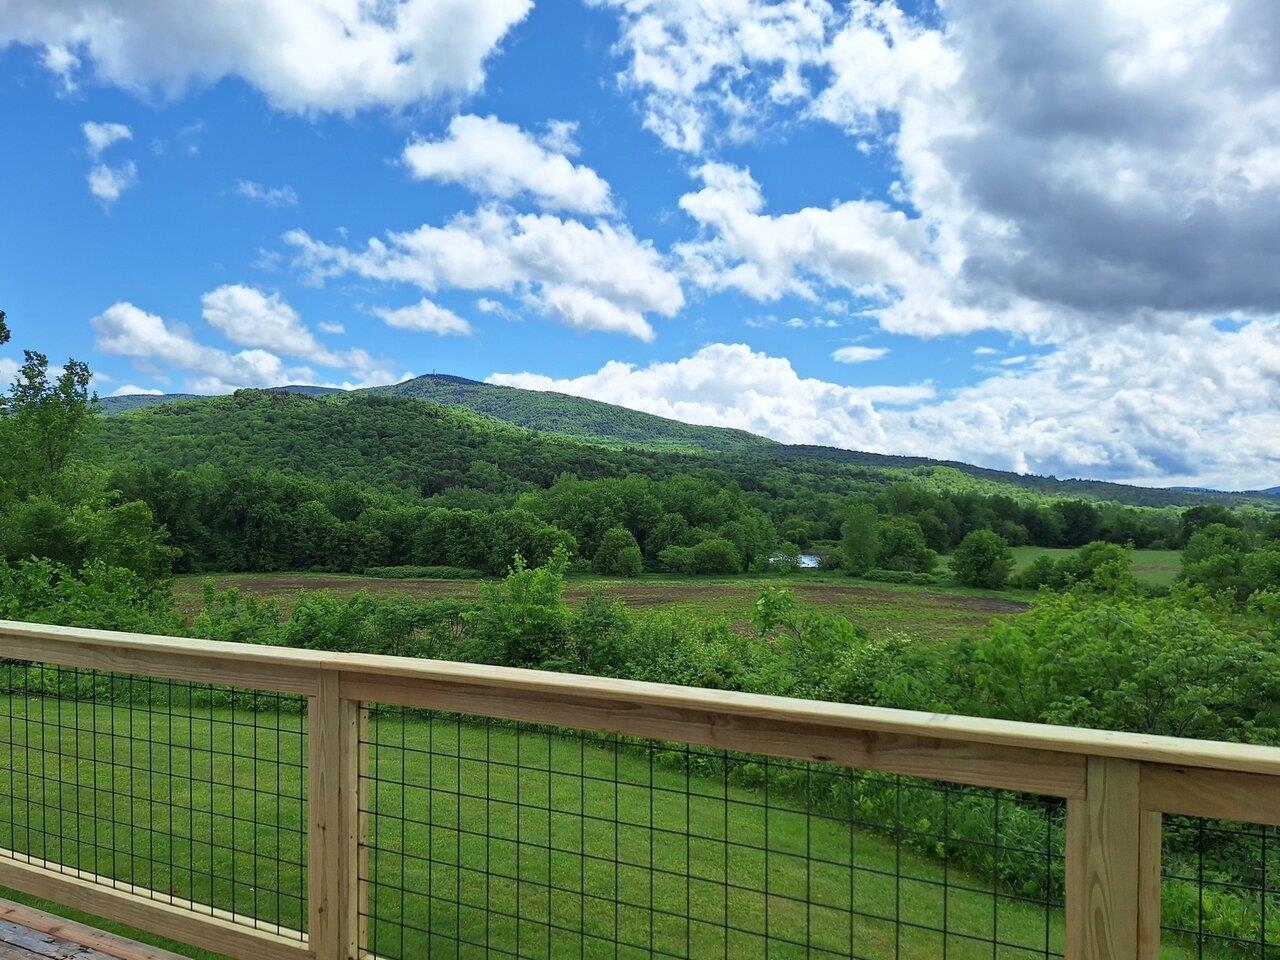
x=879, y=608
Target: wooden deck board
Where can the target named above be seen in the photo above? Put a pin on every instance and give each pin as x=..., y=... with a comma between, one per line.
x=30, y=934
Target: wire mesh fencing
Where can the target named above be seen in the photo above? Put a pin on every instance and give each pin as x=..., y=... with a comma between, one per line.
x=1220, y=893
x=184, y=793
x=490, y=838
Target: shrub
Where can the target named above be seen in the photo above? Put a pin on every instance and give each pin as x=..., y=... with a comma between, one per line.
x=619, y=554
x=982, y=560
x=902, y=546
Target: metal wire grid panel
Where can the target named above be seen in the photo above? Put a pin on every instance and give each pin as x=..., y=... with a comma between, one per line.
x=1220, y=895
x=488, y=838
x=185, y=793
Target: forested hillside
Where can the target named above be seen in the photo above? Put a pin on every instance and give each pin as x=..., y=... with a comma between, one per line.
x=273, y=480
x=609, y=425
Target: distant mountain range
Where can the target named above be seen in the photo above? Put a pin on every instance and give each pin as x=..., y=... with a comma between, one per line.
x=612, y=425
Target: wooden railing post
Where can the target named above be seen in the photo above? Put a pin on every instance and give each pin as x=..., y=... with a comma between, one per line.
x=1150, y=843
x=1102, y=870
x=334, y=840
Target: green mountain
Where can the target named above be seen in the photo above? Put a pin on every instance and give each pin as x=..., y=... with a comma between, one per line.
x=570, y=416
x=608, y=425
x=558, y=413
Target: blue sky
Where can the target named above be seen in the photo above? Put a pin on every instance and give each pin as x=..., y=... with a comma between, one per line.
x=1022, y=235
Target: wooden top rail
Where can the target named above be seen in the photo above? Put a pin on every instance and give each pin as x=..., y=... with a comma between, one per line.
x=549, y=697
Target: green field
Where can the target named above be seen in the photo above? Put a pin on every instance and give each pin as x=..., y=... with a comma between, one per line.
x=878, y=608
x=1155, y=567
x=477, y=835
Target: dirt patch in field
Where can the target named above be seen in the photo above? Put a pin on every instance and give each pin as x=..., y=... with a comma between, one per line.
x=638, y=594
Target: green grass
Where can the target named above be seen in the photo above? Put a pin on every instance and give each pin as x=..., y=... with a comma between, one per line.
x=879, y=608
x=1158, y=568
x=476, y=841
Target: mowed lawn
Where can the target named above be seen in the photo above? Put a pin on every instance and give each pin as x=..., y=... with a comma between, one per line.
x=879, y=608
x=488, y=840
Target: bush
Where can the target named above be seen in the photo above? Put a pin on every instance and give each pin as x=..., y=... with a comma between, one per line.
x=982, y=560
x=902, y=546
x=713, y=556
x=619, y=554
x=1041, y=572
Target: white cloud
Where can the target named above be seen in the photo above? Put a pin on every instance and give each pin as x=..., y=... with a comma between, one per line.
x=857, y=354
x=8, y=370
x=500, y=160
x=709, y=69
x=108, y=183
x=885, y=258
x=730, y=385
x=129, y=390
x=425, y=316
x=592, y=277
x=248, y=317
x=63, y=64
x=328, y=326
x=319, y=55
x=985, y=351
x=1184, y=403
x=100, y=136
x=125, y=330
x=284, y=196
x=1125, y=173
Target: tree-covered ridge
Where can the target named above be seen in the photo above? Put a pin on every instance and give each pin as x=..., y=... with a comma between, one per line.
x=549, y=412
x=269, y=480
x=555, y=413
x=619, y=427
x=377, y=441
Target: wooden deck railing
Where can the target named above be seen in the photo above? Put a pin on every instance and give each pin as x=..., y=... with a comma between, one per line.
x=1117, y=787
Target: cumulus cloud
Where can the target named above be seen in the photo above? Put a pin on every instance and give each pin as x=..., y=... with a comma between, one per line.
x=126, y=330
x=1188, y=403
x=284, y=196
x=248, y=317
x=100, y=136
x=596, y=277
x=265, y=324
x=1125, y=173
x=857, y=354
x=107, y=183
x=710, y=69
x=731, y=385
x=130, y=390
x=424, y=316
x=321, y=55
x=500, y=160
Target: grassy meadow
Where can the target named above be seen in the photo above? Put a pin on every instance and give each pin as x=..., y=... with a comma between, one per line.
x=928, y=611
x=940, y=611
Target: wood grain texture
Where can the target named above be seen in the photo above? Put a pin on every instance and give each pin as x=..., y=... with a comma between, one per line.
x=148, y=910
x=1033, y=771
x=91, y=938
x=335, y=835
x=1150, y=842
x=1102, y=864
x=1217, y=794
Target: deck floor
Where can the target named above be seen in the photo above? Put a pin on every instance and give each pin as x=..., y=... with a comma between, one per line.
x=29, y=934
